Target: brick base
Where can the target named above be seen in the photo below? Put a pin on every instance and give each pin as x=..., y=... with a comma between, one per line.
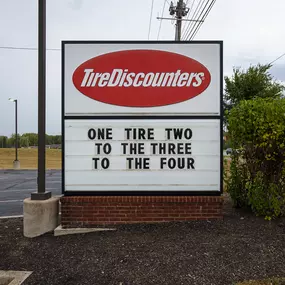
x=89, y=211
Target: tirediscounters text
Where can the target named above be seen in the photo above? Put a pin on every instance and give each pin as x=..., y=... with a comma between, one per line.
x=141, y=151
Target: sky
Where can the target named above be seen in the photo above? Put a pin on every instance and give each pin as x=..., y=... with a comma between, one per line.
x=253, y=32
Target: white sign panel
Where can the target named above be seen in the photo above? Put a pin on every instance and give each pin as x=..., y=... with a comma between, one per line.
x=148, y=155
x=135, y=78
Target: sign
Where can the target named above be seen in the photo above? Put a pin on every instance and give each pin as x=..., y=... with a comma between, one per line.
x=142, y=117
x=142, y=78
x=139, y=155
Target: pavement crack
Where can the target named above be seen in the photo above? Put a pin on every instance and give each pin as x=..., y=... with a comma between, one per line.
x=19, y=183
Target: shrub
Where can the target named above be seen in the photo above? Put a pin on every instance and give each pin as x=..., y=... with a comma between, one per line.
x=257, y=129
x=235, y=181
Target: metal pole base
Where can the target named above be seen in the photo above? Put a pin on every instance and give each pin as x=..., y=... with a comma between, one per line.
x=16, y=164
x=40, y=196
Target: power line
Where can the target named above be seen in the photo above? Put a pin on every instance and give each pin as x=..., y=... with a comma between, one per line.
x=277, y=58
x=26, y=48
x=188, y=16
x=190, y=26
x=150, y=18
x=161, y=20
x=203, y=19
x=193, y=1
x=196, y=12
x=199, y=18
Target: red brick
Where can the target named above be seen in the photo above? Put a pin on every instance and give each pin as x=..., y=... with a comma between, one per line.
x=103, y=210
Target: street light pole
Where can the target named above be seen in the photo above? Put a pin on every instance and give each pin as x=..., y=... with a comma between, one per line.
x=16, y=127
x=41, y=194
x=16, y=162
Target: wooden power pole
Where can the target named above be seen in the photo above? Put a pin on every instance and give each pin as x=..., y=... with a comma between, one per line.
x=180, y=10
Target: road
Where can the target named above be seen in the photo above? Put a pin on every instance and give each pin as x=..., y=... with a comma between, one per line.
x=16, y=185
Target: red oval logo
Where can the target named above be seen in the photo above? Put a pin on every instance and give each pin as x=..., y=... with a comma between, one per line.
x=141, y=78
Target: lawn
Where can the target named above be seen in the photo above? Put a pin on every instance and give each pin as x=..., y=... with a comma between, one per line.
x=29, y=158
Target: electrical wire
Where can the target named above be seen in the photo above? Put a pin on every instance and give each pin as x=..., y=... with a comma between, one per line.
x=205, y=16
x=150, y=18
x=161, y=19
x=203, y=19
x=191, y=6
x=193, y=24
x=189, y=12
x=199, y=19
x=26, y=48
x=277, y=58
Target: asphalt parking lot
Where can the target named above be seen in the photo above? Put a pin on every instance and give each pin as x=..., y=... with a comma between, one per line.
x=16, y=185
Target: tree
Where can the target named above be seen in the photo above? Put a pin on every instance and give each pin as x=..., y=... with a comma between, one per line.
x=57, y=139
x=255, y=82
x=11, y=142
x=32, y=137
x=3, y=141
x=27, y=139
x=24, y=141
x=53, y=139
x=48, y=140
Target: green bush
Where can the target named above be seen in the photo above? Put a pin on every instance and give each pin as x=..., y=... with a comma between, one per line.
x=235, y=181
x=227, y=144
x=256, y=178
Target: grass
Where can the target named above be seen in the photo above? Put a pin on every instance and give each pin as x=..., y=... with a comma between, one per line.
x=272, y=281
x=29, y=158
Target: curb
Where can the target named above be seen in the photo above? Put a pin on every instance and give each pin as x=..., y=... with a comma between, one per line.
x=59, y=231
x=11, y=217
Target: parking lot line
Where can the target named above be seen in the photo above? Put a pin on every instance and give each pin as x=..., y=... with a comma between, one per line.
x=11, y=201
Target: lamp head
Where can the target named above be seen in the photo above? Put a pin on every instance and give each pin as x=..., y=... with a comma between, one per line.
x=12, y=100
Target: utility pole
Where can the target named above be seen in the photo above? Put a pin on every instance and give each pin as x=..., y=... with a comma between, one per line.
x=180, y=10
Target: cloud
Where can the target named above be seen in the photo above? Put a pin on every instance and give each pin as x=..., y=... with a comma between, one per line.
x=75, y=4
x=250, y=30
